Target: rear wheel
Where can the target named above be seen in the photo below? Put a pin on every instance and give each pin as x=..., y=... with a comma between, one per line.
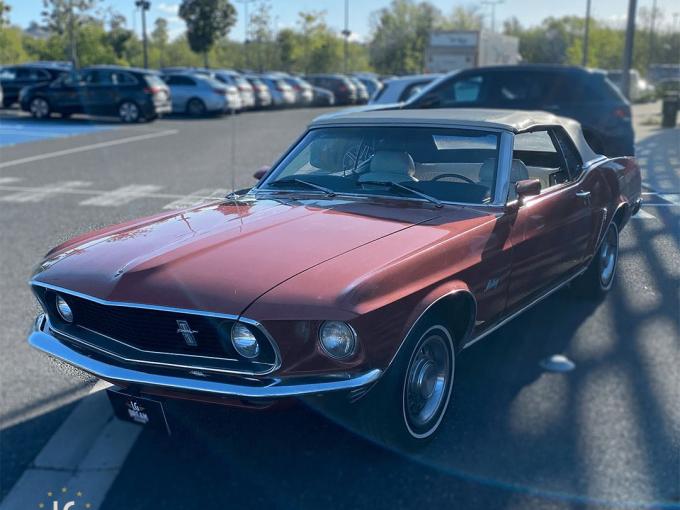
x=128, y=112
x=39, y=108
x=196, y=107
x=599, y=277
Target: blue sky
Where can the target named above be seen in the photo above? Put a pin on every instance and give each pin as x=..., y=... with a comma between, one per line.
x=529, y=12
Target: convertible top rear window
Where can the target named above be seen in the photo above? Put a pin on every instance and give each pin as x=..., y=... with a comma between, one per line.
x=456, y=165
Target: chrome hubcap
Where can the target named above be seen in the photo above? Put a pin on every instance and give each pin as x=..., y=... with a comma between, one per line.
x=128, y=112
x=608, y=254
x=39, y=107
x=427, y=381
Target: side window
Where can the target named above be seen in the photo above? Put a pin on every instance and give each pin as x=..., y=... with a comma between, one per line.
x=571, y=156
x=411, y=90
x=467, y=90
x=122, y=79
x=23, y=74
x=8, y=74
x=536, y=155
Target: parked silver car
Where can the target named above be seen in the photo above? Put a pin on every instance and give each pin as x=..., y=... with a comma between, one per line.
x=396, y=90
x=263, y=97
x=282, y=93
x=198, y=94
x=245, y=89
x=303, y=90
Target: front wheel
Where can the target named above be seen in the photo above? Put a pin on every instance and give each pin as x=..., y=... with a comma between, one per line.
x=39, y=108
x=128, y=112
x=599, y=277
x=407, y=405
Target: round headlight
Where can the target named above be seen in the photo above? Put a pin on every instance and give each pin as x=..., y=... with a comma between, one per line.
x=64, y=310
x=337, y=339
x=244, y=341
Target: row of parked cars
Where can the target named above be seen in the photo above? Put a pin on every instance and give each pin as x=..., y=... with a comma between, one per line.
x=587, y=95
x=134, y=94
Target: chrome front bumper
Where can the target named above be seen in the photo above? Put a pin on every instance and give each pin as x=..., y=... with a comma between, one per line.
x=272, y=387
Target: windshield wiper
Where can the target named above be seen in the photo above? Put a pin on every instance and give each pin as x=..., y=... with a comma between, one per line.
x=397, y=185
x=329, y=192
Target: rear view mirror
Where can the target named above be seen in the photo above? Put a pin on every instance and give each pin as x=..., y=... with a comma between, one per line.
x=527, y=188
x=261, y=172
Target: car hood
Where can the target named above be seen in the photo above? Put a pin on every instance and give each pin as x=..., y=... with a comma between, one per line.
x=221, y=257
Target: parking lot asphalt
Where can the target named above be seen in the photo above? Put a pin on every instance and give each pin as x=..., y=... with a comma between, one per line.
x=605, y=435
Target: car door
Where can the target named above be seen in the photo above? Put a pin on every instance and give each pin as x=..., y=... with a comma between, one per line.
x=99, y=92
x=66, y=93
x=181, y=88
x=554, y=231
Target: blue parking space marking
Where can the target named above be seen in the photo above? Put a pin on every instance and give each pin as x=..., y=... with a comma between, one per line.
x=14, y=131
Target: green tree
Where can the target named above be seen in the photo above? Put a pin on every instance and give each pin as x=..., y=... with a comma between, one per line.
x=159, y=40
x=4, y=13
x=400, y=34
x=207, y=21
x=466, y=17
x=11, y=47
x=286, y=41
x=262, y=35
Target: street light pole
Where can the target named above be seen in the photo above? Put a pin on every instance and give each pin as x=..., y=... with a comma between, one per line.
x=72, y=36
x=628, y=48
x=651, y=35
x=346, y=33
x=493, y=4
x=246, y=31
x=144, y=5
x=586, y=35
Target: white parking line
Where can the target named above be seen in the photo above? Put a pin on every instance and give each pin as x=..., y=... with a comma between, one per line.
x=79, y=462
x=643, y=215
x=91, y=147
x=42, y=192
x=121, y=196
x=196, y=198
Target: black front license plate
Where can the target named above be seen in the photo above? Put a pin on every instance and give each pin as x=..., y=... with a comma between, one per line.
x=140, y=410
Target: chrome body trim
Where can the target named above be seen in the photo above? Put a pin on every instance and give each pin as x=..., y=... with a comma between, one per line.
x=506, y=145
x=251, y=322
x=537, y=300
x=275, y=387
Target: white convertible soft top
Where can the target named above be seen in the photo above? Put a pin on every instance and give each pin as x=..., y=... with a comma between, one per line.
x=515, y=121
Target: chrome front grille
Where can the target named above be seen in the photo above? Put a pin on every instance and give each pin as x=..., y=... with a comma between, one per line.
x=157, y=336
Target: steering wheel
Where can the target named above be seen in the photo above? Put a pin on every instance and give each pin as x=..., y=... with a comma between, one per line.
x=457, y=176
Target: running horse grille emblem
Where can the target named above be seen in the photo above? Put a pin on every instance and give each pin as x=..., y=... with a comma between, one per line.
x=185, y=330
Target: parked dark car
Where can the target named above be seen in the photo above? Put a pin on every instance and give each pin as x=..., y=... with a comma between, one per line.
x=582, y=94
x=322, y=97
x=131, y=94
x=372, y=85
x=15, y=78
x=343, y=89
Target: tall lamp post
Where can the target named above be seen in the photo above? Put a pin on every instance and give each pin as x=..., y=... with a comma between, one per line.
x=144, y=5
x=628, y=48
x=493, y=4
x=246, y=30
x=586, y=35
x=346, y=33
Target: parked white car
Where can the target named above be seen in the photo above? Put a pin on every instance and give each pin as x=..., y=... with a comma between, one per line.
x=397, y=90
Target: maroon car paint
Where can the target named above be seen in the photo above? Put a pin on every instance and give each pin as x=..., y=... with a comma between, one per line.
x=294, y=261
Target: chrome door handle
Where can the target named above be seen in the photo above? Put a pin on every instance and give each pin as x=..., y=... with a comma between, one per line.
x=585, y=195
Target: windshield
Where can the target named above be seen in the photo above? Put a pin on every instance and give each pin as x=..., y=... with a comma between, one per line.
x=451, y=165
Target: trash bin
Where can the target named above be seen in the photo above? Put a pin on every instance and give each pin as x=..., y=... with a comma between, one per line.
x=669, y=110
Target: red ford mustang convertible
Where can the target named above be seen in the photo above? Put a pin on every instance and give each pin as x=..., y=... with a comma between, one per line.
x=380, y=245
